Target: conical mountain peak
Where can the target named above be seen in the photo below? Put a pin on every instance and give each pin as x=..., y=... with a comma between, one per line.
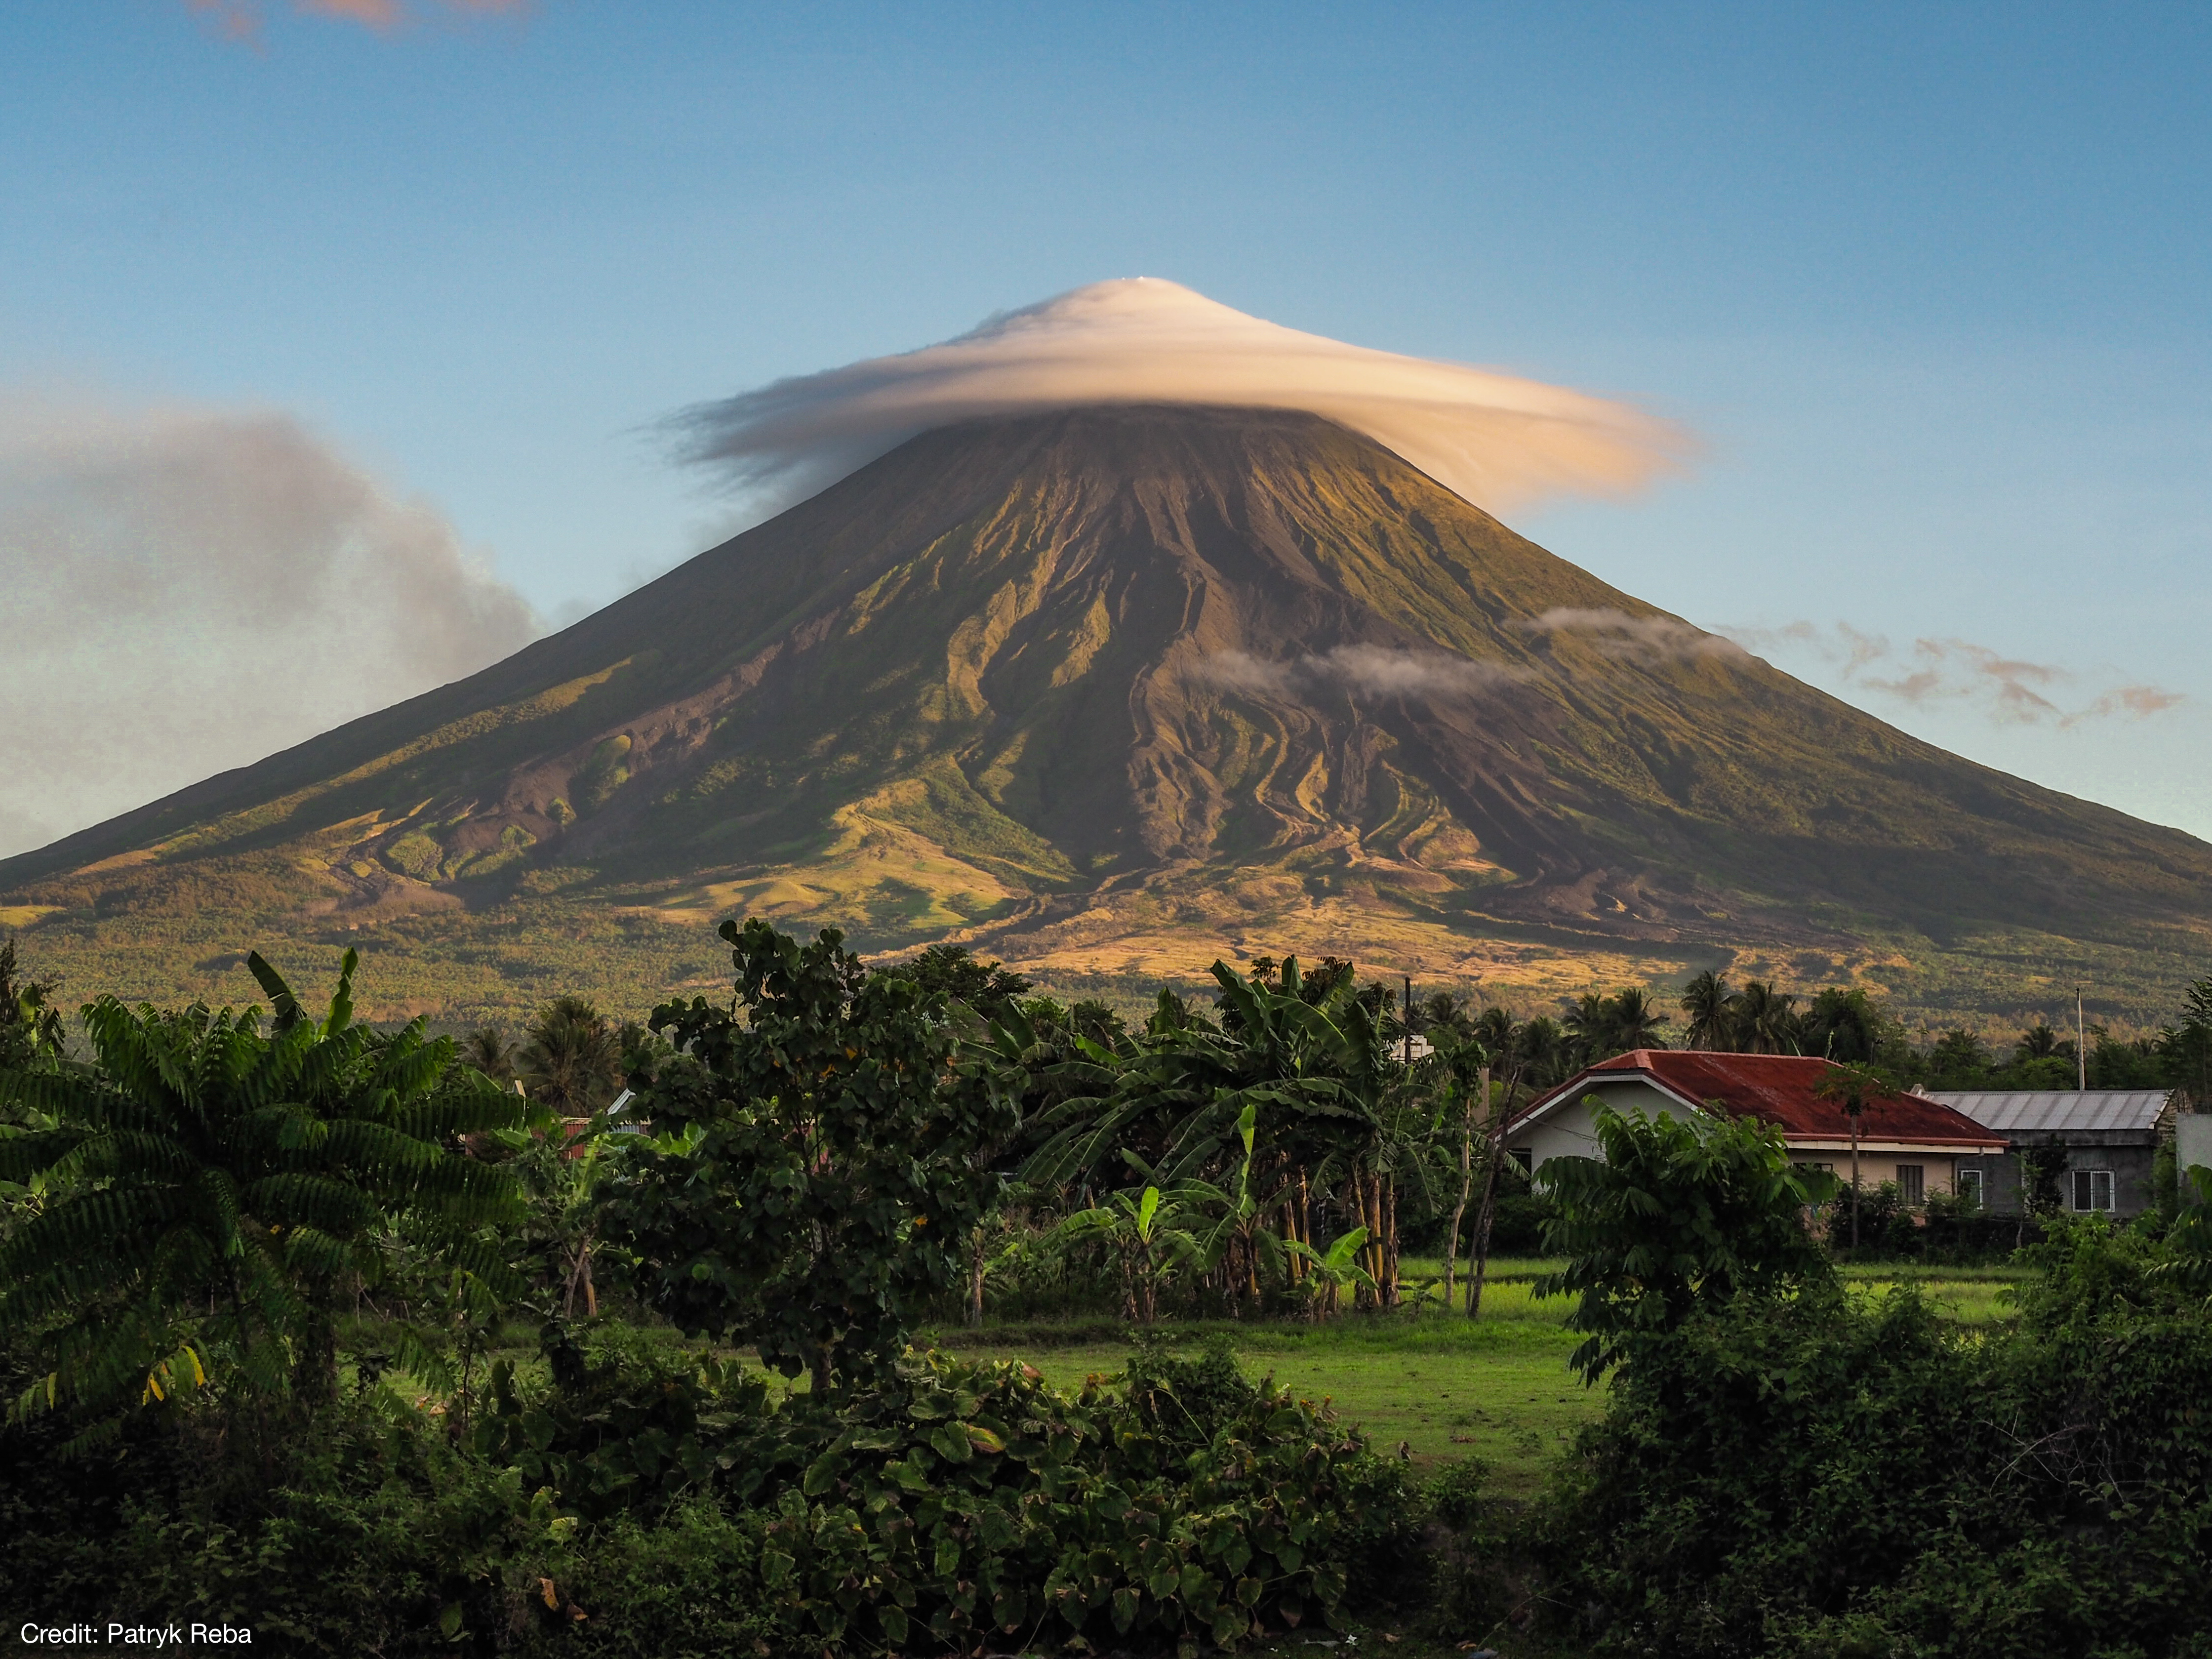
x=1112, y=690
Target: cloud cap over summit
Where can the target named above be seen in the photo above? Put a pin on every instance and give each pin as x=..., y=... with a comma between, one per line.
x=1496, y=440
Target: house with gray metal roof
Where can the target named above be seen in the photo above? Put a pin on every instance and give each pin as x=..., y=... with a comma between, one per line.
x=2097, y=1144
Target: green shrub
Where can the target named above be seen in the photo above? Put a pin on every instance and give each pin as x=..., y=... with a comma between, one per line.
x=646, y=1499
x=1812, y=1474
x=626, y=1425
x=957, y=1501
x=686, y=1586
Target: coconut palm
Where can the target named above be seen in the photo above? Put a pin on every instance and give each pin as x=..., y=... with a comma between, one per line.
x=1852, y=1087
x=1631, y=1021
x=1845, y=1025
x=492, y=1052
x=571, y=1058
x=1543, y=1052
x=1712, y=1009
x=1766, y=1021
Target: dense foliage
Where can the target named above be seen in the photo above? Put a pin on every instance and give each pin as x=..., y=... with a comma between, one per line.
x=203, y=1194
x=815, y=1169
x=1785, y=1468
x=264, y=1276
x=1678, y=1215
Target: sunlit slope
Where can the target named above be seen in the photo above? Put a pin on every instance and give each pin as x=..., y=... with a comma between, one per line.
x=1114, y=690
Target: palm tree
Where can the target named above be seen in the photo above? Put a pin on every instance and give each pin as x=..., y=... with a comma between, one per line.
x=1632, y=1023
x=213, y=1190
x=1766, y=1020
x=1543, y=1052
x=2186, y=1047
x=2038, y=1041
x=1585, y=1026
x=571, y=1058
x=1712, y=1009
x=1845, y=1025
x=491, y=1051
x=1851, y=1086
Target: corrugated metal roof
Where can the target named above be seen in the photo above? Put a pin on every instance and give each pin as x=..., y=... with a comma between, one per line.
x=2057, y=1109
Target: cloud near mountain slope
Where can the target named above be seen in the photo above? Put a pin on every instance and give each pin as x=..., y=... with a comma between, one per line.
x=187, y=589
x=1497, y=440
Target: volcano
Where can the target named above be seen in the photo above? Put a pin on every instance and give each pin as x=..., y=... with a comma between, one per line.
x=1107, y=692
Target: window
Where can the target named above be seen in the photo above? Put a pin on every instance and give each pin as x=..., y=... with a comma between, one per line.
x=2093, y=1189
x=1525, y=1156
x=1912, y=1183
x=1970, y=1188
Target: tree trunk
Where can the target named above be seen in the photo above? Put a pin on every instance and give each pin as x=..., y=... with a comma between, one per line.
x=1374, y=1237
x=975, y=1278
x=1466, y=1190
x=1390, y=1241
x=1854, y=1180
x=1493, y=1138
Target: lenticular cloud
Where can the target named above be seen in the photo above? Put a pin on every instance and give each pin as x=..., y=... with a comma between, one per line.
x=1496, y=440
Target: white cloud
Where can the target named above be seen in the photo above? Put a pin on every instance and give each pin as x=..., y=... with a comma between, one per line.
x=184, y=590
x=1649, y=639
x=1497, y=440
x=1374, y=670
x=2010, y=690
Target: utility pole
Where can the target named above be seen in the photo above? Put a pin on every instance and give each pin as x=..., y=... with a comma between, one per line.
x=1408, y=1021
x=2080, y=1045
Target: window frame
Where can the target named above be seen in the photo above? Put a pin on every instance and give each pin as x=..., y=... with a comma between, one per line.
x=2086, y=1179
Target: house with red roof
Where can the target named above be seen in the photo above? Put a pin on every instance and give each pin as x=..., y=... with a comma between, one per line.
x=1917, y=1142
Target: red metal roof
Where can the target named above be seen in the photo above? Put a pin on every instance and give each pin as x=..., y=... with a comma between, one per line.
x=1779, y=1089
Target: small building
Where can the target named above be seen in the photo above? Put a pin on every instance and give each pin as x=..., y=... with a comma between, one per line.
x=1914, y=1140
x=2097, y=1144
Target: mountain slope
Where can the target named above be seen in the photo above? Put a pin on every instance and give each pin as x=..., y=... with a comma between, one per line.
x=1113, y=690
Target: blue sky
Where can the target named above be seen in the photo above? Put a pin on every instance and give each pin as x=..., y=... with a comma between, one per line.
x=1930, y=283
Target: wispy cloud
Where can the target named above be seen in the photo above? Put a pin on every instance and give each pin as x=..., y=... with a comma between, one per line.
x=1646, y=638
x=2009, y=690
x=1371, y=669
x=1496, y=438
x=242, y=20
x=187, y=589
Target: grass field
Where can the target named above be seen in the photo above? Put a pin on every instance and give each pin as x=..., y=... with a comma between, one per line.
x=1442, y=1386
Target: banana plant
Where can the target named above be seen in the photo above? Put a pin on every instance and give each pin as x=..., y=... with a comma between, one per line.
x=1330, y=1272
x=1146, y=1232
x=1236, y=1237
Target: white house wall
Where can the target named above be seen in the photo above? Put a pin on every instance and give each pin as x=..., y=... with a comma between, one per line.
x=1566, y=1130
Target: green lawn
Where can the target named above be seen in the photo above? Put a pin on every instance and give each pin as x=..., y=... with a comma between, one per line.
x=1442, y=1385
x=1497, y=1388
